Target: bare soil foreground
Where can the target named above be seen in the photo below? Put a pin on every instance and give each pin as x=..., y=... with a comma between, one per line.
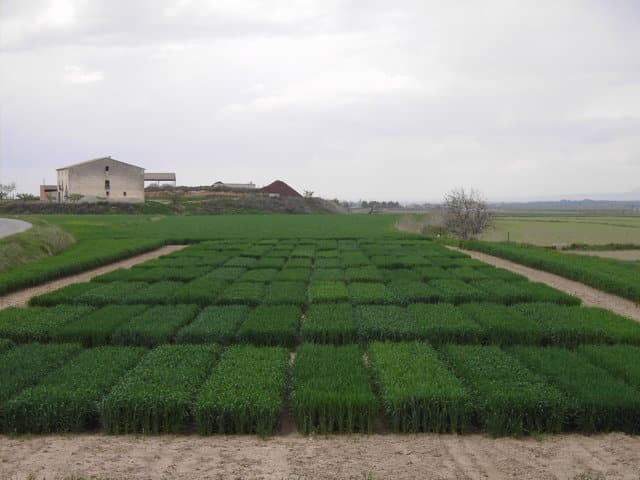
x=616, y=254
x=425, y=456
x=21, y=297
x=589, y=296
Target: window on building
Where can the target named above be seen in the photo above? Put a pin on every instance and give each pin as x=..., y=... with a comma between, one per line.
x=107, y=193
x=124, y=194
x=106, y=168
x=107, y=184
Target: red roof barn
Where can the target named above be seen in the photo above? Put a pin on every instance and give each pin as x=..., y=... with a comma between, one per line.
x=280, y=188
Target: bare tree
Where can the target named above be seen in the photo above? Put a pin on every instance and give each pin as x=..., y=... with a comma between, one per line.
x=308, y=194
x=465, y=214
x=7, y=190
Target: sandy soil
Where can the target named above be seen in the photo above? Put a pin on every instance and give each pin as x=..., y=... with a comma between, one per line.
x=21, y=297
x=425, y=456
x=617, y=254
x=589, y=296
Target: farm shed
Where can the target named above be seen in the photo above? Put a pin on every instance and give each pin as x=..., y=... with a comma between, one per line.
x=102, y=178
x=234, y=186
x=280, y=189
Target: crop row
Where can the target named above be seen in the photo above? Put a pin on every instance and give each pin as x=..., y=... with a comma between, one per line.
x=337, y=323
x=520, y=390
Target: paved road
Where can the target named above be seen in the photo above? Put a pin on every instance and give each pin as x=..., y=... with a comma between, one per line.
x=9, y=226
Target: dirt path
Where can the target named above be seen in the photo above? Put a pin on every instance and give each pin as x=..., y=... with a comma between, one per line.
x=21, y=297
x=628, y=255
x=294, y=456
x=589, y=296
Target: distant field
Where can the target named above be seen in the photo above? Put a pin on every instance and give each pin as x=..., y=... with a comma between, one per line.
x=550, y=230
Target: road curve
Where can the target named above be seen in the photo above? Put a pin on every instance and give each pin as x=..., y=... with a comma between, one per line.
x=10, y=226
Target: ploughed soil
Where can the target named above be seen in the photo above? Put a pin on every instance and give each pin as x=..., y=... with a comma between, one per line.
x=293, y=456
x=21, y=297
x=589, y=296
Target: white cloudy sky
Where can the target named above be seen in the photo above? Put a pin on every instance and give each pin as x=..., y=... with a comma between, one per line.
x=349, y=98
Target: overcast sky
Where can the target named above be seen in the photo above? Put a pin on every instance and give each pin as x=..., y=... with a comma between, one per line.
x=389, y=100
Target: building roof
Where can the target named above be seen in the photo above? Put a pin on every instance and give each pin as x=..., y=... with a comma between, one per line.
x=96, y=160
x=281, y=188
x=249, y=185
x=159, y=177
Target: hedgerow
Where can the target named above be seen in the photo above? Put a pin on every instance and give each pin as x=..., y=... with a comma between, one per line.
x=432, y=273
x=157, y=396
x=258, y=275
x=614, y=276
x=98, y=326
x=114, y=292
x=271, y=325
x=597, y=401
x=293, y=275
x=622, y=361
x=248, y=293
x=384, y=322
x=303, y=252
x=502, y=325
x=62, y=295
x=327, y=292
x=327, y=244
x=367, y=273
x=328, y=263
x=495, y=273
x=331, y=390
x=407, y=292
x=419, y=393
x=25, y=365
x=327, y=254
x=38, y=324
x=154, y=326
x=508, y=398
x=467, y=273
x=201, y=291
x=328, y=275
x=444, y=323
x=391, y=275
x=244, y=394
x=329, y=323
x=154, y=293
x=67, y=399
x=368, y=293
x=293, y=293
x=570, y=326
x=270, y=262
x=354, y=258
x=243, y=262
x=227, y=274
x=214, y=325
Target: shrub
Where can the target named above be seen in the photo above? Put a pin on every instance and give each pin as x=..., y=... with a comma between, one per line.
x=26, y=365
x=328, y=263
x=384, y=322
x=622, y=361
x=201, y=291
x=363, y=274
x=293, y=275
x=494, y=273
x=328, y=275
x=270, y=262
x=570, y=326
x=433, y=273
x=38, y=324
x=248, y=293
x=457, y=291
x=243, y=262
x=419, y=393
x=331, y=390
x=155, y=293
x=597, y=401
x=444, y=323
x=214, y=325
x=303, y=252
x=502, y=325
x=502, y=291
x=97, y=327
x=157, y=395
x=293, y=293
x=258, y=275
x=409, y=292
x=327, y=292
x=244, y=394
x=467, y=274
x=67, y=399
x=155, y=326
x=400, y=275
x=329, y=323
x=62, y=295
x=508, y=398
x=226, y=274
x=354, y=259
x=327, y=254
x=360, y=293
x=5, y=345
x=271, y=325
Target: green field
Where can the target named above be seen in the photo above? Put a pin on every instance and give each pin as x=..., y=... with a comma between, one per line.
x=387, y=330
x=565, y=230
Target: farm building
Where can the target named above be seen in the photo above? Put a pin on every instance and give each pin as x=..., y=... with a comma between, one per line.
x=103, y=179
x=160, y=178
x=234, y=186
x=280, y=189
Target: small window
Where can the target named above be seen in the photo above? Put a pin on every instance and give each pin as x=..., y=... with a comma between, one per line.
x=107, y=184
x=106, y=168
x=107, y=193
x=124, y=194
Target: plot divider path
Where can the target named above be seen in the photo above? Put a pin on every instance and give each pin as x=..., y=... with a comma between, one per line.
x=21, y=297
x=590, y=296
